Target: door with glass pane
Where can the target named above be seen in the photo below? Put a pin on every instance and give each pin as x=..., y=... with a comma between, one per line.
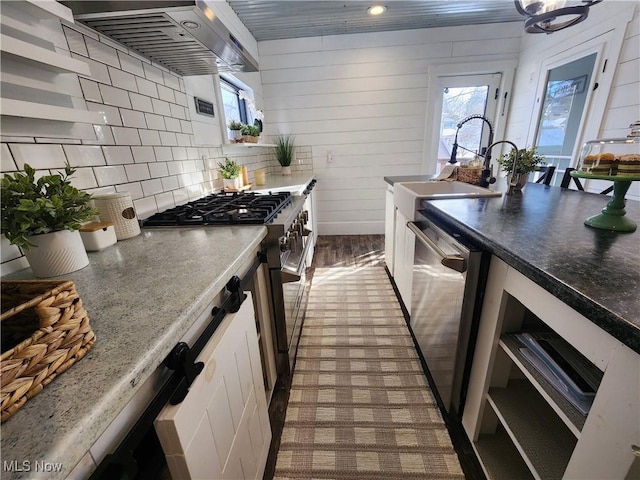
x=459, y=97
x=566, y=94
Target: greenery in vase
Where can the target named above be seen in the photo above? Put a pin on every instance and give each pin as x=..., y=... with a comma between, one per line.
x=235, y=125
x=35, y=207
x=229, y=169
x=528, y=161
x=284, y=149
x=250, y=130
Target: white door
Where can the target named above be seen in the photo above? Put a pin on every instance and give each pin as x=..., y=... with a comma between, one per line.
x=221, y=429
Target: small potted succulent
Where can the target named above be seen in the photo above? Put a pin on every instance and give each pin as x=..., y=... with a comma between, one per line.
x=528, y=161
x=43, y=217
x=230, y=172
x=284, y=152
x=250, y=133
x=235, y=127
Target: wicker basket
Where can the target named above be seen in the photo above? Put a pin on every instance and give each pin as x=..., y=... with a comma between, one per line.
x=472, y=175
x=45, y=330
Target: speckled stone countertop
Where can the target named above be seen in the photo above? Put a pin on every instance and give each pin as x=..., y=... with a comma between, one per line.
x=142, y=295
x=541, y=233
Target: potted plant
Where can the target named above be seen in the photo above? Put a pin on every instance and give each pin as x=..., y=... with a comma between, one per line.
x=528, y=161
x=235, y=127
x=43, y=217
x=230, y=172
x=250, y=133
x=284, y=152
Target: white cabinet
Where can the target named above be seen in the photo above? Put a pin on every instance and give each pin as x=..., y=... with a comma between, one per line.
x=389, y=229
x=519, y=425
x=221, y=429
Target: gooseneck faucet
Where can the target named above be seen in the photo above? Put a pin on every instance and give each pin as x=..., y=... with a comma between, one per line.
x=486, y=177
x=512, y=182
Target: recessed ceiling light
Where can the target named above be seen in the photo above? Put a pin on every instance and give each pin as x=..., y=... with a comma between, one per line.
x=376, y=9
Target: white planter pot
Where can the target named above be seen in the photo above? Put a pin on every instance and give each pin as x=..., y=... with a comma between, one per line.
x=236, y=135
x=56, y=253
x=286, y=170
x=231, y=183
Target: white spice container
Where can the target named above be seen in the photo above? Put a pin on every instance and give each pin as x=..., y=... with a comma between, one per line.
x=118, y=209
x=97, y=235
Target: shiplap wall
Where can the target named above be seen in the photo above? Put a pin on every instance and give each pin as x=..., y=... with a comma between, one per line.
x=360, y=102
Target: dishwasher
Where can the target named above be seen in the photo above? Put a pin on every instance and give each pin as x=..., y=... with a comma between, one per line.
x=446, y=298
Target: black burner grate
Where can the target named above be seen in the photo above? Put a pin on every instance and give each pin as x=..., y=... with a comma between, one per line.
x=223, y=209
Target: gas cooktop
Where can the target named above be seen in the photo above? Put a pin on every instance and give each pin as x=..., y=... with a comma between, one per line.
x=223, y=209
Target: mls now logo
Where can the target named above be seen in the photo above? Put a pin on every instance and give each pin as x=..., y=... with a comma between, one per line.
x=29, y=466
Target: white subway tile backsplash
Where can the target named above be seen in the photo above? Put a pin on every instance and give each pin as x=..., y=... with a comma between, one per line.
x=90, y=90
x=158, y=169
x=179, y=153
x=84, y=178
x=168, y=138
x=123, y=80
x=151, y=187
x=8, y=251
x=149, y=137
x=140, y=102
x=169, y=183
x=178, y=111
x=112, y=43
x=134, y=188
x=133, y=118
x=172, y=124
x=153, y=73
x=145, y=207
x=11, y=139
x=137, y=172
x=84, y=155
x=161, y=107
x=118, y=155
x=195, y=191
x=102, y=190
x=170, y=80
x=38, y=156
x=126, y=136
x=181, y=196
x=75, y=40
x=155, y=122
x=70, y=141
x=145, y=87
x=166, y=93
x=183, y=139
x=186, y=127
x=80, y=28
x=184, y=179
x=143, y=154
x=188, y=166
x=14, y=266
x=111, y=175
x=110, y=114
x=181, y=98
x=193, y=153
x=165, y=201
x=131, y=64
x=102, y=53
x=163, y=154
x=115, y=96
x=175, y=168
x=99, y=71
x=6, y=160
x=104, y=136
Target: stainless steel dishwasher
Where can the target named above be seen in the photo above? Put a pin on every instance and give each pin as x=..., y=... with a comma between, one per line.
x=445, y=307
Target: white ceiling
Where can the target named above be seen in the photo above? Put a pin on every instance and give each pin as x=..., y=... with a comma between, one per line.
x=272, y=20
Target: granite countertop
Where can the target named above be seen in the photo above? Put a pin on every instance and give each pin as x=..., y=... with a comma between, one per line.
x=541, y=233
x=142, y=295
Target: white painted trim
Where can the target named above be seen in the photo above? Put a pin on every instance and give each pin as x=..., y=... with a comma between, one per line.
x=351, y=228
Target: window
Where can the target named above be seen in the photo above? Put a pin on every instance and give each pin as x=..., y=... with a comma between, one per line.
x=235, y=107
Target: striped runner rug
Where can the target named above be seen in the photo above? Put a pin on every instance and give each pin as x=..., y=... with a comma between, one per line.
x=360, y=406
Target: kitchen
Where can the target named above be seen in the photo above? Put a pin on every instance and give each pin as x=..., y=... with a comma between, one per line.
x=352, y=101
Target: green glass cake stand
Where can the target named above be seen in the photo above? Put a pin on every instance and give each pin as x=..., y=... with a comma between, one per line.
x=613, y=214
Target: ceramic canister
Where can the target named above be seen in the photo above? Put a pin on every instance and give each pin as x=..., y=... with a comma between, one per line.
x=117, y=208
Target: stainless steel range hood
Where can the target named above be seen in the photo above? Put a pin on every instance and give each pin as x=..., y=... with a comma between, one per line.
x=184, y=36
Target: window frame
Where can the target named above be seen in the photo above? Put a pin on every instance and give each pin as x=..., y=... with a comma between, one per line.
x=229, y=86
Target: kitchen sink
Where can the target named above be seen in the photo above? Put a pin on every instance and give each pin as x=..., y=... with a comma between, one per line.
x=407, y=195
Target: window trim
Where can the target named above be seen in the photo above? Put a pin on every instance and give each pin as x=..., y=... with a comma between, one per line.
x=235, y=89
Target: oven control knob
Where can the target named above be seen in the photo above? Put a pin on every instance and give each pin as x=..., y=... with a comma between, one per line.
x=305, y=216
x=286, y=242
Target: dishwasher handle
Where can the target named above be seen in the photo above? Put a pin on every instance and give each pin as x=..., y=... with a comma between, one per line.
x=454, y=262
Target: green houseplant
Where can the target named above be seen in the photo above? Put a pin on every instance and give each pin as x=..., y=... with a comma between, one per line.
x=528, y=161
x=235, y=127
x=43, y=217
x=284, y=152
x=250, y=133
x=230, y=172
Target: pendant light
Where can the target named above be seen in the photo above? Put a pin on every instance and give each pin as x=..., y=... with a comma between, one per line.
x=548, y=16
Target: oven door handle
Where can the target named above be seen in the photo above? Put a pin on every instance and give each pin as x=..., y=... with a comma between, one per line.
x=289, y=275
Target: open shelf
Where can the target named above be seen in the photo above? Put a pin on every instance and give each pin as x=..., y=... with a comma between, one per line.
x=543, y=440
x=499, y=456
x=245, y=146
x=560, y=405
x=42, y=57
x=20, y=108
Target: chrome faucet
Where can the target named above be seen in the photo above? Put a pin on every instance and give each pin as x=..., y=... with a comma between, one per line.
x=512, y=182
x=486, y=177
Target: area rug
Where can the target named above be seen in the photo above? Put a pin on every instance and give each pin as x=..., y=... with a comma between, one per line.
x=360, y=406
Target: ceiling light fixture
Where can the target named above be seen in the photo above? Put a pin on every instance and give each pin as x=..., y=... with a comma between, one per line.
x=376, y=9
x=548, y=16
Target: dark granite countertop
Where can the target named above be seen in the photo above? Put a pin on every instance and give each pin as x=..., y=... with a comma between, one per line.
x=540, y=232
x=407, y=178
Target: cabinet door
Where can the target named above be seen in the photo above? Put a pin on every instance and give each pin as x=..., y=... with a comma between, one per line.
x=389, y=229
x=221, y=429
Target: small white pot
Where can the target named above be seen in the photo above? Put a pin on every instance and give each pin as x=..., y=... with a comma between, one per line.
x=286, y=170
x=236, y=135
x=56, y=253
x=231, y=183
